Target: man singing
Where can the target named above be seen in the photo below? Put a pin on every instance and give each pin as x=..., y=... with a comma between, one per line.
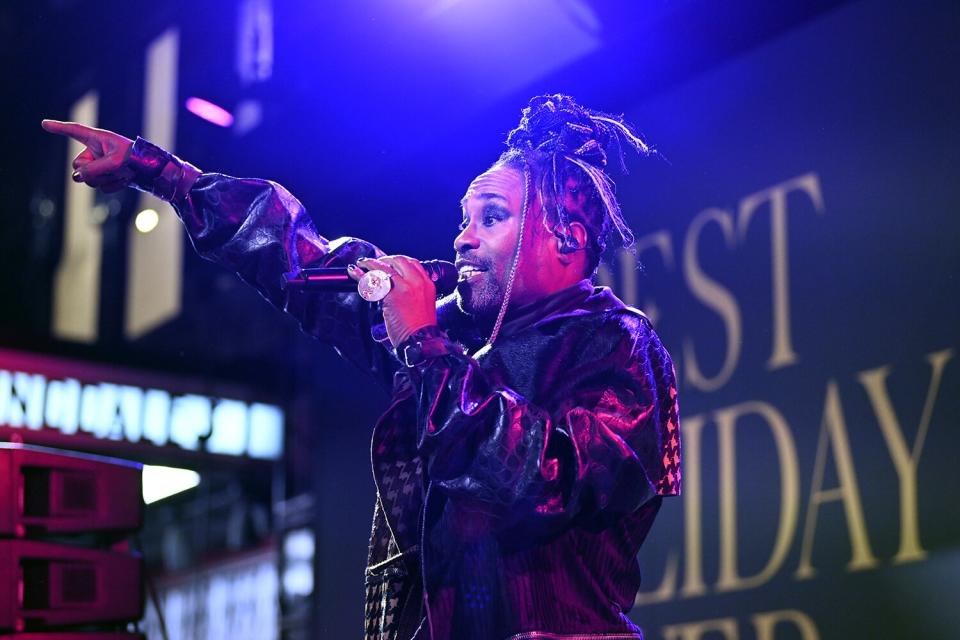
x=533, y=427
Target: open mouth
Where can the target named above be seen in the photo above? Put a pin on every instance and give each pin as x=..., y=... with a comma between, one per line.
x=467, y=272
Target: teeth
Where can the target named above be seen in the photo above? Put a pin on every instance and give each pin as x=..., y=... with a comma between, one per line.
x=468, y=271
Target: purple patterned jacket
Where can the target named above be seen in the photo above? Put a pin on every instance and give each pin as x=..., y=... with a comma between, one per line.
x=514, y=487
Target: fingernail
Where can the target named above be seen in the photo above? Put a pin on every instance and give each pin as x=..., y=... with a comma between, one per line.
x=351, y=267
x=77, y=177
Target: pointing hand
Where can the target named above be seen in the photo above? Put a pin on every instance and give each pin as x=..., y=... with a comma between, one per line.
x=101, y=164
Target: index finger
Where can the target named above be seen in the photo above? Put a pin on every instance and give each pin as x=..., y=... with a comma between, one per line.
x=79, y=132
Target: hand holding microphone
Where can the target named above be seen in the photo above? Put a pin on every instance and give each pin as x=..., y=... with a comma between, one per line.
x=411, y=304
x=376, y=284
x=412, y=285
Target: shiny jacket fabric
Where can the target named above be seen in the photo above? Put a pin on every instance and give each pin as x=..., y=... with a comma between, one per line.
x=514, y=486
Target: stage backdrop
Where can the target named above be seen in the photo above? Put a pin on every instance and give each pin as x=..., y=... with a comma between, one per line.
x=800, y=246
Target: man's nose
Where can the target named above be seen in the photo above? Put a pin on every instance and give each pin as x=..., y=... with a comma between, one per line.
x=465, y=240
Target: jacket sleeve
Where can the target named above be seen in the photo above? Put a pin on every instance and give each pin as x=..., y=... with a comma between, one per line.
x=258, y=229
x=608, y=442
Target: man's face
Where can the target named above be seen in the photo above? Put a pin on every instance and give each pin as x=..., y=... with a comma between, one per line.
x=486, y=244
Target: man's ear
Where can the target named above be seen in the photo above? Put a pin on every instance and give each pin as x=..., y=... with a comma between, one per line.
x=571, y=242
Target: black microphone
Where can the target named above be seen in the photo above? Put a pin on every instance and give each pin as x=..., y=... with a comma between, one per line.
x=443, y=274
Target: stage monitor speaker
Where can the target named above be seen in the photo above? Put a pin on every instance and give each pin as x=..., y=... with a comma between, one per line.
x=47, y=491
x=47, y=584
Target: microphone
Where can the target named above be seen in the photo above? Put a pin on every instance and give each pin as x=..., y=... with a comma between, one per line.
x=336, y=279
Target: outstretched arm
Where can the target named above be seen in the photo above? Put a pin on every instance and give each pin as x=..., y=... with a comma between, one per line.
x=255, y=227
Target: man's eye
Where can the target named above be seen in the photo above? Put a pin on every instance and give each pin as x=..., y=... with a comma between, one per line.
x=490, y=220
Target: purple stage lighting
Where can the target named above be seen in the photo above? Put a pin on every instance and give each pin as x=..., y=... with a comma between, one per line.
x=209, y=112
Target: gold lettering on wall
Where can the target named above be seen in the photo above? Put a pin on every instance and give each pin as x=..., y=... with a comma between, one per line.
x=833, y=443
x=833, y=435
x=693, y=584
x=765, y=623
x=668, y=586
x=782, y=350
x=905, y=460
x=713, y=295
x=696, y=630
x=662, y=242
x=729, y=578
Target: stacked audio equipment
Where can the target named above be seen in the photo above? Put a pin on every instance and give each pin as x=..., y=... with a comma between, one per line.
x=66, y=570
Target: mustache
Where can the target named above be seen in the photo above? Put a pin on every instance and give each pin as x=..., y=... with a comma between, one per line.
x=474, y=259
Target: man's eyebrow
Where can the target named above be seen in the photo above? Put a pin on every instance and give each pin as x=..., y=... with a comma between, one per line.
x=483, y=196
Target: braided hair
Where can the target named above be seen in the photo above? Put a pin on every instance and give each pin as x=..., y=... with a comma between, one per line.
x=567, y=147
